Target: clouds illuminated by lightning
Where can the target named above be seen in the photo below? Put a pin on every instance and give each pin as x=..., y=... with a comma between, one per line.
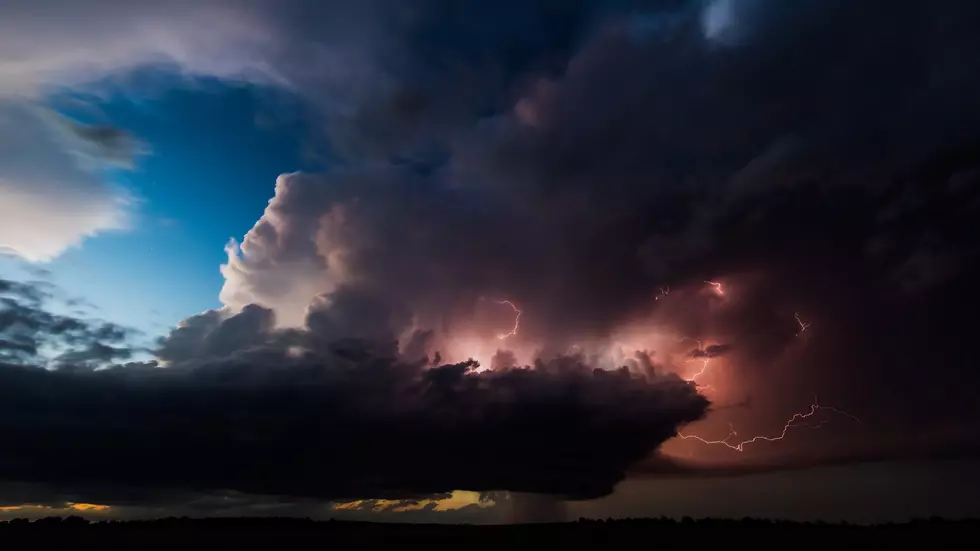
x=719, y=290
x=798, y=420
x=646, y=338
x=704, y=361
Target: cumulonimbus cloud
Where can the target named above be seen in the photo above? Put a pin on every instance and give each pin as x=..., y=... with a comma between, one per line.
x=808, y=178
x=293, y=413
x=803, y=165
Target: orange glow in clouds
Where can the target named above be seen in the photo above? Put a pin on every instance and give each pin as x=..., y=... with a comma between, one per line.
x=68, y=508
x=474, y=342
x=639, y=345
x=718, y=289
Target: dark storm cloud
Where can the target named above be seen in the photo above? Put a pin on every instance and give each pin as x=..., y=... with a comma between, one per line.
x=817, y=157
x=214, y=335
x=654, y=161
x=333, y=420
x=402, y=82
x=712, y=351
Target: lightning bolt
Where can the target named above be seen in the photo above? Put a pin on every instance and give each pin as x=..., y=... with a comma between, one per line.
x=704, y=367
x=517, y=320
x=798, y=420
x=717, y=286
x=803, y=325
x=704, y=364
x=664, y=291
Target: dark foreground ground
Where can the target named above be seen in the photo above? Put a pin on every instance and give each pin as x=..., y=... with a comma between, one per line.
x=289, y=534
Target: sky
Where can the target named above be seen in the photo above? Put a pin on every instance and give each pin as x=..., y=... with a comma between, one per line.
x=209, y=147
x=489, y=262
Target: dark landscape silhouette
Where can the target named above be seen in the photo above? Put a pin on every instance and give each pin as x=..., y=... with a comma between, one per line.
x=292, y=533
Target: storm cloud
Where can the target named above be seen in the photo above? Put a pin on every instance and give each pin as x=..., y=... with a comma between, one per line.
x=294, y=415
x=527, y=197
x=815, y=160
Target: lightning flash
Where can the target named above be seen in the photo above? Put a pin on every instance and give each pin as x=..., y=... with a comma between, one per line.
x=517, y=320
x=798, y=420
x=704, y=363
x=803, y=325
x=718, y=288
x=803, y=419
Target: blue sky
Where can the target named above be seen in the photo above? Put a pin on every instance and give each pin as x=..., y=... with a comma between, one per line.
x=215, y=152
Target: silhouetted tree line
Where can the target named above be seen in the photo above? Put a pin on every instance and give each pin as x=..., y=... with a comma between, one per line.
x=291, y=533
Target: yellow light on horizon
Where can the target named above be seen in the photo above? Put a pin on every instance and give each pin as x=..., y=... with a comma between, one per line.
x=457, y=500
